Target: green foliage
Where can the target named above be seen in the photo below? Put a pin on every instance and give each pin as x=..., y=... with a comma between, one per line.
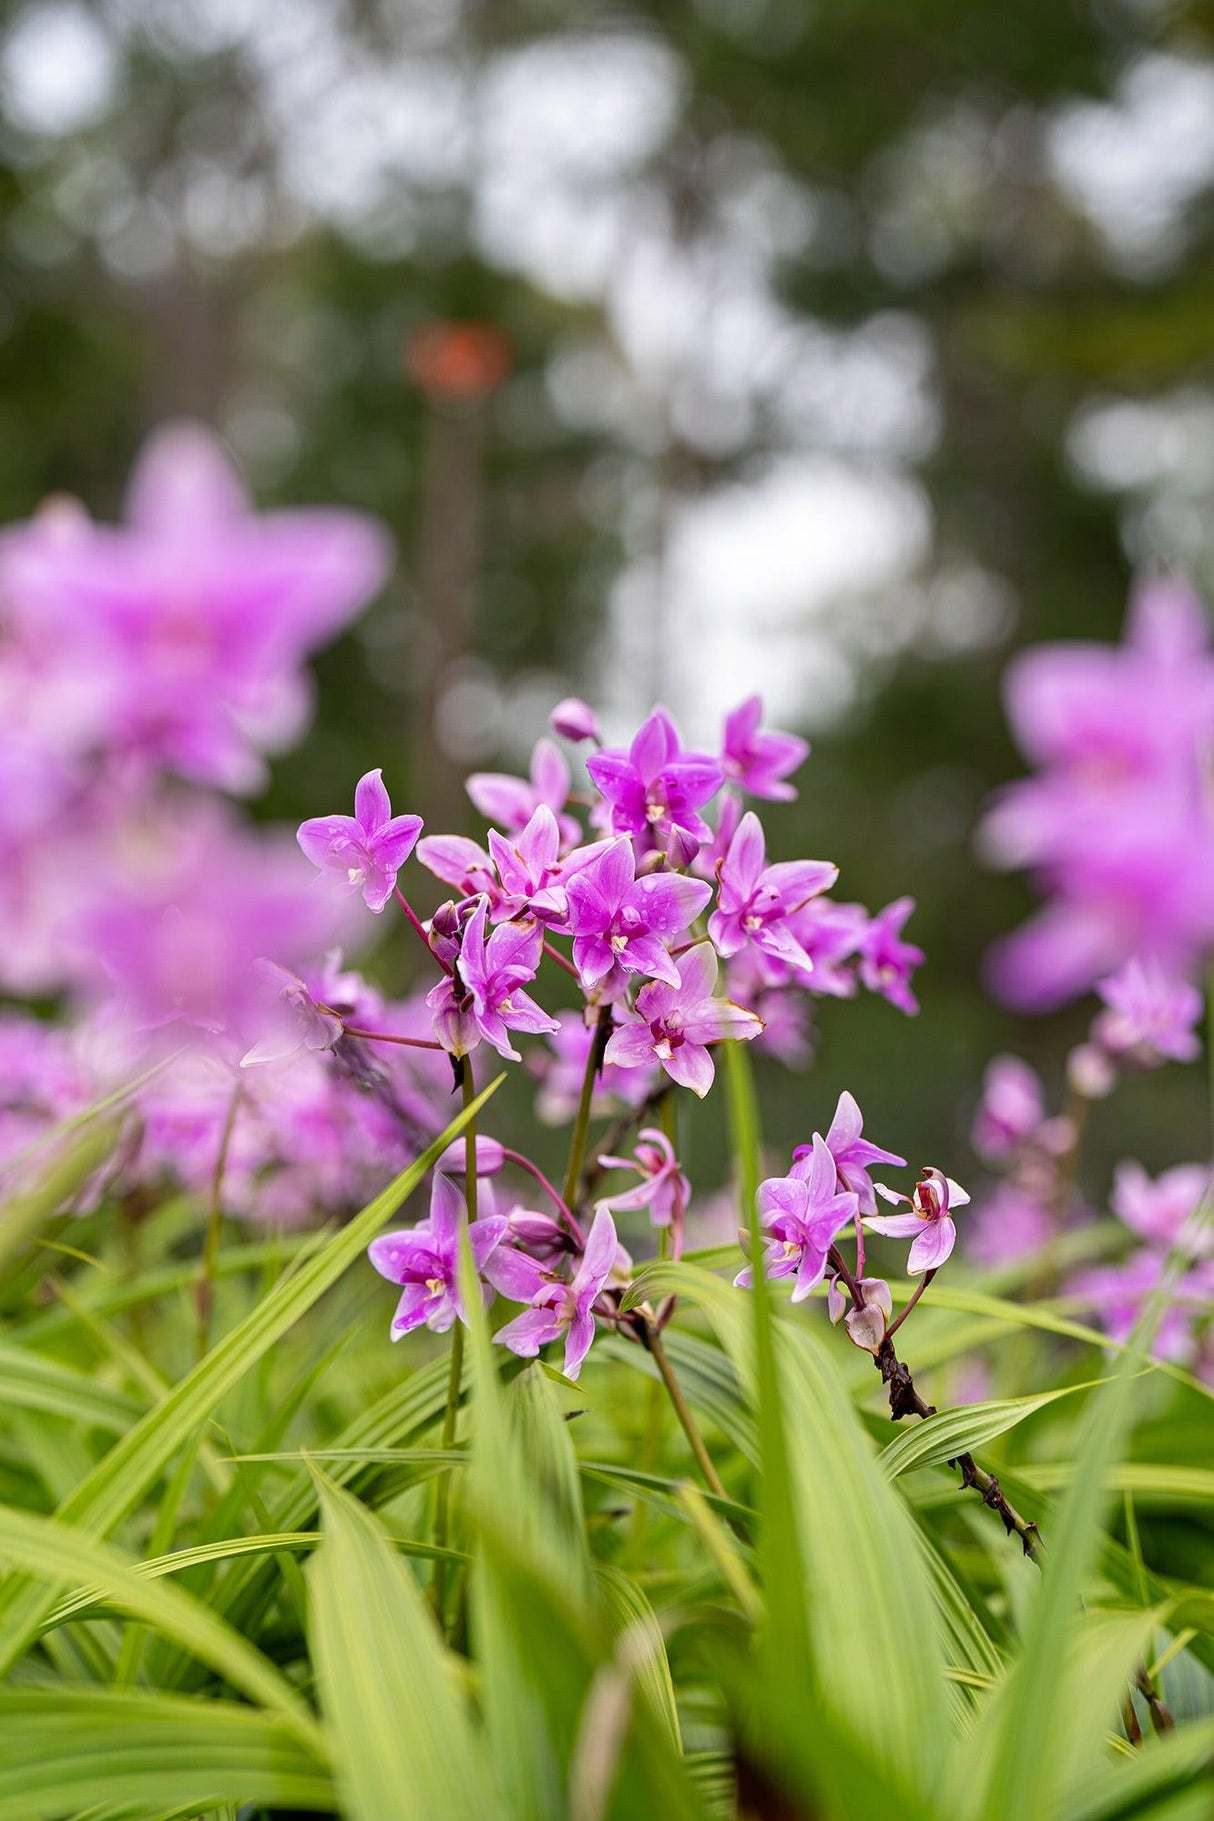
x=233, y=1609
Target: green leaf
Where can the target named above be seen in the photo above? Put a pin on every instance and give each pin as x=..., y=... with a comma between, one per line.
x=30, y=1382
x=1028, y=1749
x=24, y=1216
x=119, y=1480
x=952, y=1432
x=40, y=1547
x=630, y=1613
x=64, y=1749
x=405, y=1748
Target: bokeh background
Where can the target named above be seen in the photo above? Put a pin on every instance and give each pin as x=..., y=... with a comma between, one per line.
x=833, y=351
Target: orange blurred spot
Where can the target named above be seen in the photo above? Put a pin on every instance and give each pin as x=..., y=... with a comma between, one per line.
x=458, y=360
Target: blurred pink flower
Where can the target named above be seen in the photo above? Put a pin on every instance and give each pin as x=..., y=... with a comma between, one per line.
x=191, y=620
x=1117, y=826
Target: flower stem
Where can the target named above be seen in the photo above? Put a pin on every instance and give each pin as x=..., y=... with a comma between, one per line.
x=442, y=1510
x=920, y=1287
x=413, y=1043
x=554, y=954
x=210, y=1257
x=533, y=1170
x=581, y=1125
x=420, y=927
x=682, y=1410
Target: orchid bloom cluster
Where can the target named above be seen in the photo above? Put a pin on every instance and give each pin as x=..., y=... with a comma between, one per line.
x=146, y=669
x=1118, y=826
x=674, y=931
x=828, y=1189
x=1035, y=1201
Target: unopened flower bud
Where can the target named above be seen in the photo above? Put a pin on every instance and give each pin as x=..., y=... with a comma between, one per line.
x=681, y=847
x=836, y=1302
x=574, y=720
x=538, y=1234
x=1091, y=1072
x=489, y=1157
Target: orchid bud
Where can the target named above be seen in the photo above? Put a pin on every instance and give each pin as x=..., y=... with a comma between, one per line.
x=574, y=720
x=538, y=1234
x=489, y=1157
x=1090, y=1071
x=836, y=1302
x=454, y=1028
x=681, y=847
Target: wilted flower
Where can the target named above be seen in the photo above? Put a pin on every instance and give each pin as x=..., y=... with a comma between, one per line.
x=866, y=1325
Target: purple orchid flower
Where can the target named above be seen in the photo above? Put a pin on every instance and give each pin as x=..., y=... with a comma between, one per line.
x=425, y=1259
x=759, y=762
x=300, y=1024
x=929, y=1220
x=619, y=920
x=1009, y=1224
x=756, y=901
x=459, y=862
x=368, y=848
x=187, y=624
x=1163, y=1211
x=1011, y=1111
x=656, y=786
x=1116, y=1294
x=663, y=1188
x=494, y=971
x=886, y=962
x=674, y=1025
x=1117, y=822
x=533, y=877
x=1150, y=1015
x=558, y=1308
x=853, y=1154
x=804, y=1213
x=510, y=802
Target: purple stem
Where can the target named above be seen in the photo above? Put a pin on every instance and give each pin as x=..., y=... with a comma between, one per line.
x=420, y=927
x=532, y=1169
